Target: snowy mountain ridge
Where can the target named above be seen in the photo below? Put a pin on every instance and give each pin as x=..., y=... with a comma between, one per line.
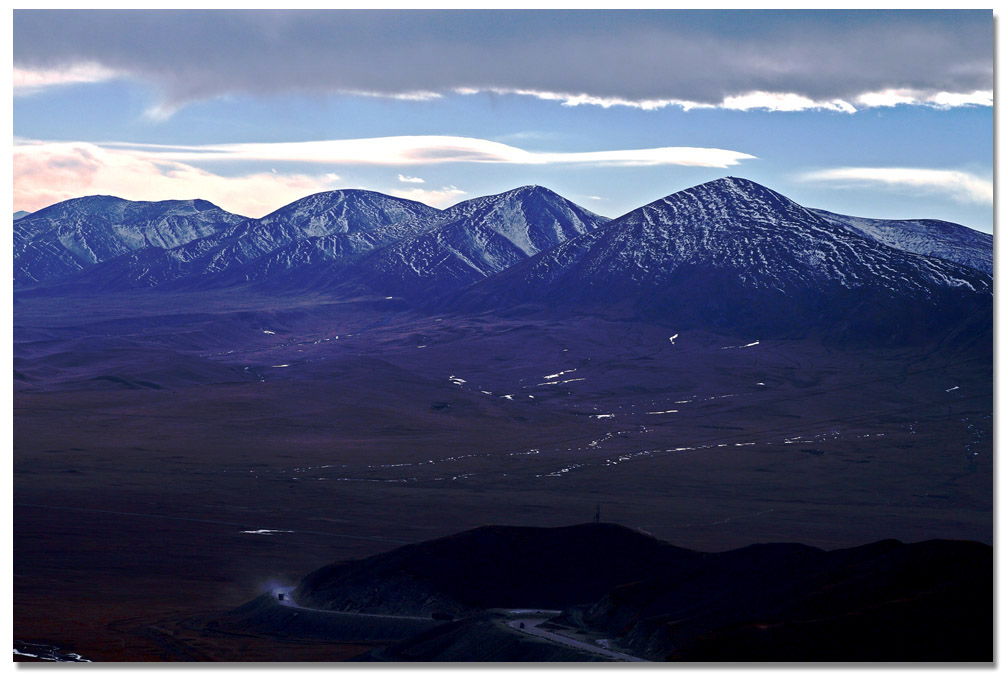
x=932, y=238
x=764, y=238
x=733, y=255
x=338, y=224
x=75, y=234
x=729, y=233
x=478, y=238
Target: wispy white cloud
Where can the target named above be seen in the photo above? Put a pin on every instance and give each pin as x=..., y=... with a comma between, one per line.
x=753, y=100
x=45, y=173
x=783, y=102
x=937, y=99
x=945, y=99
x=165, y=109
x=402, y=95
x=577, y=99
x=958, y=185
x=423, y=150
x=444, y=196
x=28, y=81
x=161, y=112
x=658, y=156
x=761, y=100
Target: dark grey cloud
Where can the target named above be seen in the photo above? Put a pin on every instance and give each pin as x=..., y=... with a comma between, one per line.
x=635, y=55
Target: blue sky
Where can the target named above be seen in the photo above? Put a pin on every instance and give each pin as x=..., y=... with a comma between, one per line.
x=884, y=114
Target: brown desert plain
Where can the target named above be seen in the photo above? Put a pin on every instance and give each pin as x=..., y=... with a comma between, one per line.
x=172, y=464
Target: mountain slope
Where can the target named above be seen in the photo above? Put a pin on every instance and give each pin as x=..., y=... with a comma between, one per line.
x=933, y=238
x=452, y=249
x=885, y=601
x=731, y=254
x=59, y=240
x=322, y=227
x=319, y=228
x=476, y=239
x=349, y=211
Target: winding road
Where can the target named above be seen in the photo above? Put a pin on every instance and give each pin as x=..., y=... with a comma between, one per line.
x=288, y=601
x=532, y=628
x=529, y=620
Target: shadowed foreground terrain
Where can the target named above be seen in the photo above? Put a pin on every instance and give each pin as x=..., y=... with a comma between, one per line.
x=170, y=463
x=630, y=593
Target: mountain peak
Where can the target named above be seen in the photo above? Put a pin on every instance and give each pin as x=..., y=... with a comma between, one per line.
x=89, y=230
x=734, y=187
x=335, y=198
x=346, y=211
x=532, y=189
x=734, y=184
x=84, y=203
x=735, y=181
x=118, y=209
x=352, y=193
x=517, y=194
x=724, y=204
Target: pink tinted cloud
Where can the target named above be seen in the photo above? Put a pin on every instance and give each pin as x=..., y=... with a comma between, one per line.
x=46, y=173
x=28, y=81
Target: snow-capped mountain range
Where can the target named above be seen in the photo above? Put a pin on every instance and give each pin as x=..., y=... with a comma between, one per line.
x=319, y=228
x=64, y=238
x=733, y=252
x=739, y=228
x=722, y=251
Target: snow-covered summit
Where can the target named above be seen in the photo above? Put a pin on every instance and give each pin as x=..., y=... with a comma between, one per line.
x=68, y=236
x=348, y=211
x=478, y=238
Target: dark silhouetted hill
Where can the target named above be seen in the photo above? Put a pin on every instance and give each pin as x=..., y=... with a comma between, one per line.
x=495, y=566
x=886, y=601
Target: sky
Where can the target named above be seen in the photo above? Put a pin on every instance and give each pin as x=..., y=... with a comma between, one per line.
x=884, y=114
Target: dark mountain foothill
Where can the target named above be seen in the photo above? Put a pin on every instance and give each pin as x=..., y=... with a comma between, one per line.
x=886, y=601
x=527, y=567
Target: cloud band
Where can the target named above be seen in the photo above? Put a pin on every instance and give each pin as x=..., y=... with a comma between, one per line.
x=640, y=58
x=958, y=185
x=47, y=172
